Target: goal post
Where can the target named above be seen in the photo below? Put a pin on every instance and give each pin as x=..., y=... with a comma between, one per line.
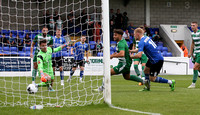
x=106, y=44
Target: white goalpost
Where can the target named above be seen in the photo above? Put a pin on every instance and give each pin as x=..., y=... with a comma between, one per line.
x=77, y=18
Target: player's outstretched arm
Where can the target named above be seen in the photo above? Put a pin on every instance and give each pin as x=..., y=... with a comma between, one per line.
x=191, y=49
x=138, y=55
x=117, y=55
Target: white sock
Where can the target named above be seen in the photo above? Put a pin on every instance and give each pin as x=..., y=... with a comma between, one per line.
x=193, y=83
x=169, y=82
x=33, y=82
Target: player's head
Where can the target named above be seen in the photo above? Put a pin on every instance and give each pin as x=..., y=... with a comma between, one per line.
x=58, y=33
x=83, y=39
x=118, y=34
x=194, y=26
x=43, y=45
x=44, y=31
x=138, y=33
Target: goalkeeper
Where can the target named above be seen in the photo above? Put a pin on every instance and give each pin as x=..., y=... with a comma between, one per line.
x=44, y=61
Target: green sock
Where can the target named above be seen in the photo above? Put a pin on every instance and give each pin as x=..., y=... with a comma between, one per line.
x=42, y=84
x=135, y=78
x=195, y=75
x=143, y=74
x=34, y=73
x=136, y=70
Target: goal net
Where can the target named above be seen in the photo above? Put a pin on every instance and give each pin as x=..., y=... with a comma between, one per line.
x=26, y=18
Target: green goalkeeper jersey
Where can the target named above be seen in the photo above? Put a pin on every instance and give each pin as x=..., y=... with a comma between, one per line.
x=44, y=60
x=122, y=45
x=39, y=37
x=196, y=39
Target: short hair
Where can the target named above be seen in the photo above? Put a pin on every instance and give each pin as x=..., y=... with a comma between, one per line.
x=139, y=30
x=195, y=22
x=4, y=34
x=43, y=41
x=44, y=27
x=119, y=31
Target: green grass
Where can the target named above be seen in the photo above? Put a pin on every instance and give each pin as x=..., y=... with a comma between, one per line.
x=125, y=94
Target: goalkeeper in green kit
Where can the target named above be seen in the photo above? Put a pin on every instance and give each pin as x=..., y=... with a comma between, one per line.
x=44, y=61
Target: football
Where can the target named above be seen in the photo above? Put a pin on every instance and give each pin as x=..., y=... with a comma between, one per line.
x=31, y=89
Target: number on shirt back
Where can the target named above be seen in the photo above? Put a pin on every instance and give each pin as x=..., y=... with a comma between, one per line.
x=152, y=43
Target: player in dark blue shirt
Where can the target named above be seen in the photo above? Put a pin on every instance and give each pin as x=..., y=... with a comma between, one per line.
x=155, y=59
x=57, y=57
x=80, y=48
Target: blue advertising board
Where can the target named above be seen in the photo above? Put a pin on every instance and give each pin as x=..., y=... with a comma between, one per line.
x=15, y=64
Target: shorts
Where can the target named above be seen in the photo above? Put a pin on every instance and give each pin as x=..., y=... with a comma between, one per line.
x=122, y=68
x=197, y=58
x=78, y=62
x=154, y=68
x=143, y=59
x=58, y=60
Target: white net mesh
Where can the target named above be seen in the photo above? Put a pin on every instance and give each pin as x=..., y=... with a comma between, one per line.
x=75, y=18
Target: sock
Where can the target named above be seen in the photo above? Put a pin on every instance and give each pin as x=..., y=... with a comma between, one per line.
x=161, y=80
x=195, y=74
x=71, y=73
x=62, y=75
x=147, y=76
x=42, y=84
x=136, y=70
x=54, y=73
x=34, y=73
x=135, y=78
x=81, y=74
x=143, y=75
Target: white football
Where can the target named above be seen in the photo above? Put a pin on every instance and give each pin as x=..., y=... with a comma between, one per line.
x=31, y=89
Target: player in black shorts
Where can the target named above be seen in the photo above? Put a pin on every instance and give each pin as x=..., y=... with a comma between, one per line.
x=58, y=58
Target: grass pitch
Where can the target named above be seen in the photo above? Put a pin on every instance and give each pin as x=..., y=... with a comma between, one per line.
x=125, y=94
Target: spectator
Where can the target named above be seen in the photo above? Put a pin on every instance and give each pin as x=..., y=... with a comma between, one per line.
x=156, y=37
x=59, y=24
x=4, y=40
x=55, y=16
x=98, y=48
x=70, y=15
x=112, y=14
x=19, y=43
x=46, y=18
x=131, y=29
x=51, y=26
x=27, y=41
x=90, y=27
x=118, y=20
x=185, y=50
x=126, y=36
x=97, y=31
x=147, y=30
x=125, y=21
x=96, y=16
x=11, y=40
x=70, y=26
x=112, y=27
x=83, y=20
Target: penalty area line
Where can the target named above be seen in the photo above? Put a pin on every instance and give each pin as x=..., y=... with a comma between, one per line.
x=135, y=111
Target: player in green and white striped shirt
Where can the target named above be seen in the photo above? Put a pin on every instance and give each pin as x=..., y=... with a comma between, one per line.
x=195, y=51
x=36, y=40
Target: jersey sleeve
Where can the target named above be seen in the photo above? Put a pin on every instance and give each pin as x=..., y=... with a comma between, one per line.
x=141, y=46
x=121, y=47
x=40, y=62
x=35, y=39
x=57, y=49
x=64, y=41
x=134, y=41
x=50, y=42
x=86, y=49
